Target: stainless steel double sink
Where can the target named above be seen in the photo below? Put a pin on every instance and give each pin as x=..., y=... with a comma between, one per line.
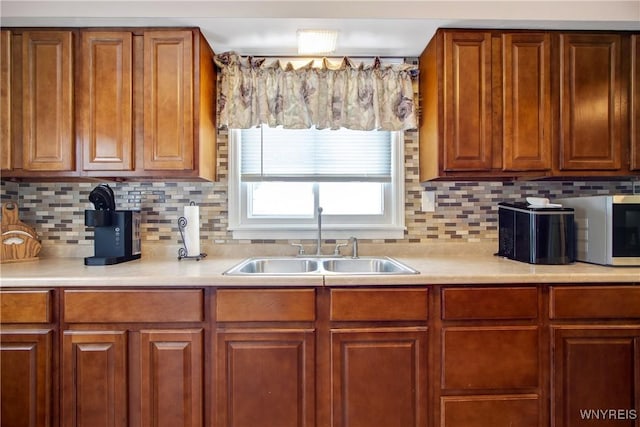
x=289, y=266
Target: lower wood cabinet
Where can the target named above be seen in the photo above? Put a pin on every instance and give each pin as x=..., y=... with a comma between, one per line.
x=265, y=377
x=26, y=367
x=94, y=378
x=121, y=378
x=133, y=358
x=595, y=371
x=378, y=357
x=491, y=357
x=28, y=386
x=379, y=377
x=596, y=376
x=428, y=356
x=265, y=357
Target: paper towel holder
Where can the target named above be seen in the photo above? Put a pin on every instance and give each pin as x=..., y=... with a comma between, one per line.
x=182, y=252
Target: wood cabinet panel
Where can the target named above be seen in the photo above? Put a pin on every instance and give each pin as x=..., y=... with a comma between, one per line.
x=108, y=306
x=467, y=101
x=26, y=363
x=634, y=104
x=496, y=357
x=595, y=302
x=379, y=377
x=526, y=107
x=590, y=102
x=255, y=305
x=480, y=303
x=595, y=368
x=25, y=306
x=379, y=304
x=171, y=369
x=168, y=93
x=106, y=108
x=94, y=379
x=266, y=377
x=5, y=100
x=48, y=132
x=490, y=411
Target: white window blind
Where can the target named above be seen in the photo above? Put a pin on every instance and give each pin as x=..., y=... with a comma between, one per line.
x=276, y=154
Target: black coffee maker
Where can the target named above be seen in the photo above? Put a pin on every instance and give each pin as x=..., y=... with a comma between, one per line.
x=117, y=232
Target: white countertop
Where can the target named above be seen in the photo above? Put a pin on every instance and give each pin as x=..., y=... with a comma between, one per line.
x=434, y=269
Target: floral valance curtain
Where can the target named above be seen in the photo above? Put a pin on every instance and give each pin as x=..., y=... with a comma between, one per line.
x=359, y=97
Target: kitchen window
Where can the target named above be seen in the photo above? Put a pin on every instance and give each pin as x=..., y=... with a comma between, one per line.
x=279, y=177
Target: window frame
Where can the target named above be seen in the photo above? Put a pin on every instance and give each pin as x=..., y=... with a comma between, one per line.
x=333, y=227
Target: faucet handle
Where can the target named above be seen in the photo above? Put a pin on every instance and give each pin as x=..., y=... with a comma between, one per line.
x=300, y=248
x=336, y=251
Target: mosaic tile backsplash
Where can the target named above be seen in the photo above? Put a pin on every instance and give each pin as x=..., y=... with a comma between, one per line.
x=465, y=211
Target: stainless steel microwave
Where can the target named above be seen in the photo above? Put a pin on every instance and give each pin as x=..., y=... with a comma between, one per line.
x=608, y=229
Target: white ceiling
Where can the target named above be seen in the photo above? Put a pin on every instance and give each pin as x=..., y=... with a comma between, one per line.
x=366, y=28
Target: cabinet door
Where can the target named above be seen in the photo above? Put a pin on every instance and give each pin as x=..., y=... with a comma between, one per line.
x=171, y=364
x=48, y=139
x=526, y=101
x=266, y=378
x=635, y=102
x=379, y=377
x=595, y=369
x=25, y=383
x=5, y=100
x=94, y=379
x=467, y=102
x=168, y=100
x=590, y=102
x=105, y=117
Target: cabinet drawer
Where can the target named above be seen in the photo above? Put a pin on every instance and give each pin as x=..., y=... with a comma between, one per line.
x=598, y=302
x=490, y=358
x=25, y=306
x=489, y=303
x=263, y=305
x=105, y=306
x=481, y=411
x=379, y=304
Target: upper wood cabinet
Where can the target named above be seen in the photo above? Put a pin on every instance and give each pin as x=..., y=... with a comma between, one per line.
x=5, y=100
x=491, y=108
x=47, y=85
x=179, y=105
x=105, y=114
x=634, y=105
x=144, y=104
x=168, y=112
x=455, y=80
x=590, y=102
x=486, y=104
x=526, y=101
x=467, y=101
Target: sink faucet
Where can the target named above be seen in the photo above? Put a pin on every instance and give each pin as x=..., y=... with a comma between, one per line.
x=336, y=253
x=319, y=239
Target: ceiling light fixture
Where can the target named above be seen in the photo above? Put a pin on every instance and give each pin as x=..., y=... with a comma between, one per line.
x=316, y=41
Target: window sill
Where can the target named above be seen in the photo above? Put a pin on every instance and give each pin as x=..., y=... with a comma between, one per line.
x=306, y=233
